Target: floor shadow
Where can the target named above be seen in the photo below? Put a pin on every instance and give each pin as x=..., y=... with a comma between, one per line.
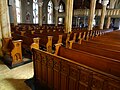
x=25, y=84
x=35, y=86
x=1, y=63
x=17, y=84
x=25, y=61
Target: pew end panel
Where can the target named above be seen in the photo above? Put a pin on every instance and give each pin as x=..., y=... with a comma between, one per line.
x=33, y=31
x=17, y=52
x=88, y=36
x=84, y=34
x=12, y=51
x=57, y=46
x=74, y=37
x=60, y=39
x=80, y=35
x=35, y=43
x=49, y=44
x=22, y=33
x=67, y=40
x=71, y=42
x=80, y=40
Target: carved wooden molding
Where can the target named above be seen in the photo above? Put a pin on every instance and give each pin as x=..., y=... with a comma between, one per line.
x=59, y=73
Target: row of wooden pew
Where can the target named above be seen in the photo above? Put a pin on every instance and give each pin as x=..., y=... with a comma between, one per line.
x=20, y=44
x=90, y=64
x=39, y=39
x=48, y=39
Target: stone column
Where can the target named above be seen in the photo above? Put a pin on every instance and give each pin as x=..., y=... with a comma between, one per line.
x=84, y=22
x=91, y=15
x=103, y=13
x=76, y=21
x=14, y=14
x=112, y=3
x=108, y=22
x=56, y=15
x=0, y=40
x=68, y=17
x=4, y=19
x=40, y=3
x=119, y=24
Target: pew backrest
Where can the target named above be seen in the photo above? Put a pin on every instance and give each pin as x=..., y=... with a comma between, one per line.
x=96, y=50
x=108, y=65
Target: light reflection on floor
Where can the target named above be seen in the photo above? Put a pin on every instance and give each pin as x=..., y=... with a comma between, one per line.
x=13, y=79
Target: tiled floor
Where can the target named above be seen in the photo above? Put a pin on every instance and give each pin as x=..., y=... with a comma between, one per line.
x=13, y=79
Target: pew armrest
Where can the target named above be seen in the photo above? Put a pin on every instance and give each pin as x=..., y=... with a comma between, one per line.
x=80, y=40
x=57, y=46
x=35, y=44
x=60, y=39
x=49, y=44
x=70, y=45
x=67, y=40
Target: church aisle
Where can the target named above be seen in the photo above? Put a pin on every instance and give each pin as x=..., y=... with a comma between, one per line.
x=13, y=79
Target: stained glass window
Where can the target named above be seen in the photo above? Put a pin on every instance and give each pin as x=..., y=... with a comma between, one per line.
x=50, y=12
x=35, y=11
x=60, y=20
x=18, y=7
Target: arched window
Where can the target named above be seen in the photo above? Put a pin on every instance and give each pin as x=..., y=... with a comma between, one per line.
x=50, y=13
x=60, y=20
x=18, y=6
x=35, y=11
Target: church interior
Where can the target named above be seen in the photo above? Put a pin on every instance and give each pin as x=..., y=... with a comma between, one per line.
x=59, y=44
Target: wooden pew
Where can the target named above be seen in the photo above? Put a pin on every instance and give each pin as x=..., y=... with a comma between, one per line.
x=101, y=45
x=56, y=36
x=109, y=38
x=12, y=52
x=106, y=40
x=45, y=41
x=104, y=64
x=59, y=73
x=27, y=41
x=112, y=35
x=27, y=44
x=96, y=50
